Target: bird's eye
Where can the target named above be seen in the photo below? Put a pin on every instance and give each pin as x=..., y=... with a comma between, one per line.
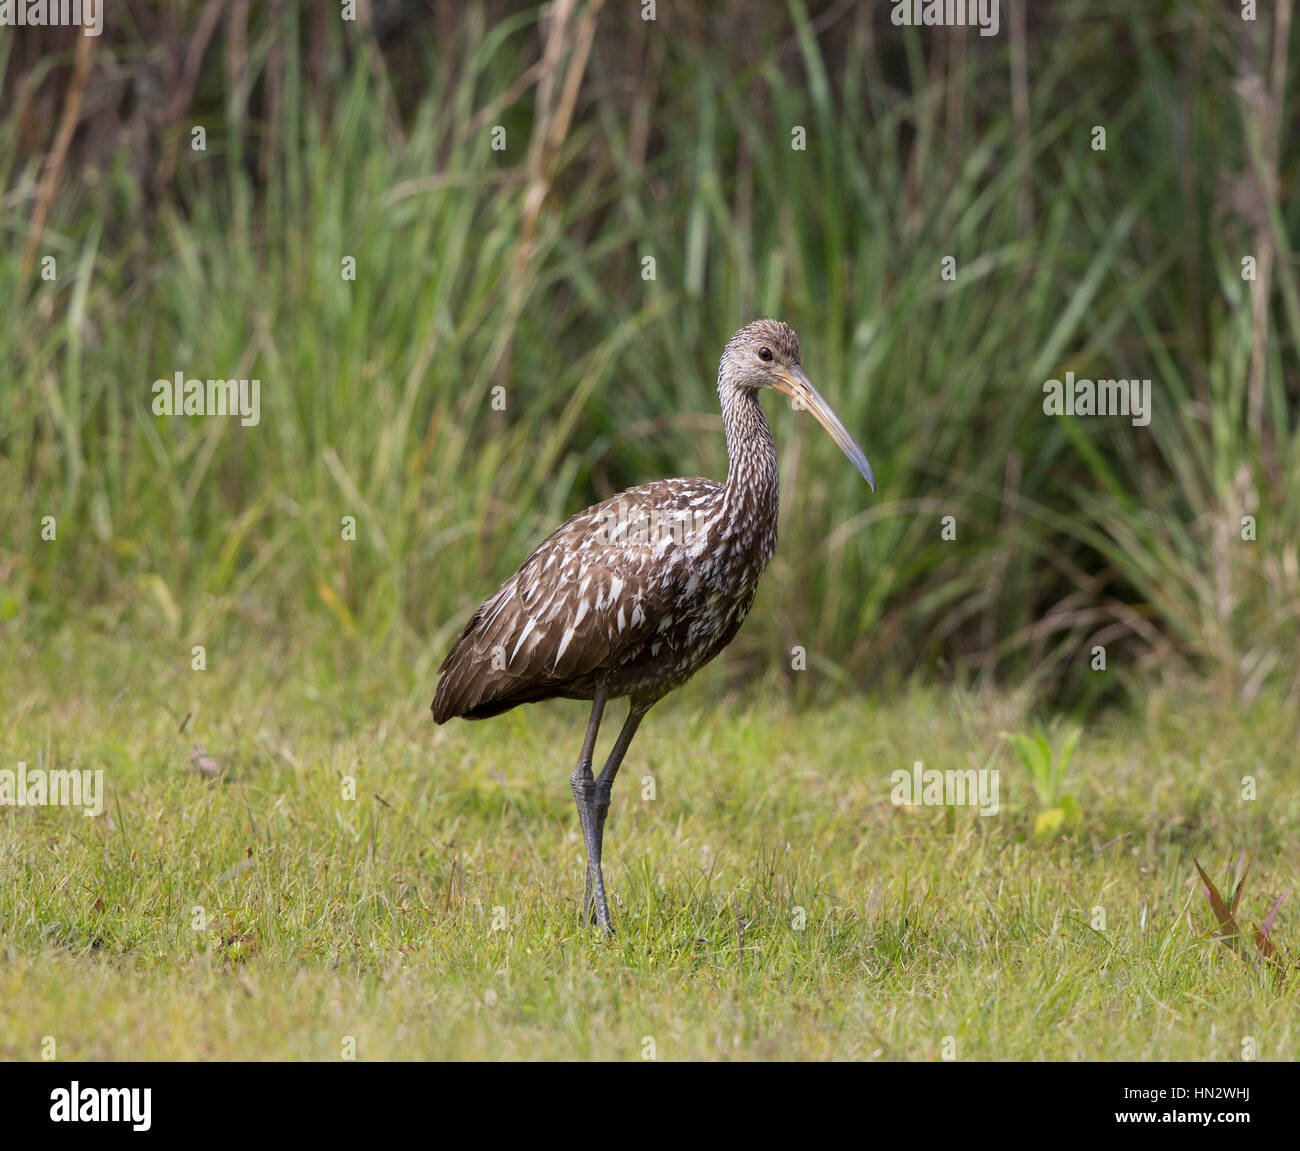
x=764, y=353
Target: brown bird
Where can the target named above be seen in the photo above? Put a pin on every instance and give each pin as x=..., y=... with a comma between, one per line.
x=634, y=595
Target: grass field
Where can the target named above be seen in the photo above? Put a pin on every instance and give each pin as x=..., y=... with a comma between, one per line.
x=435, y=915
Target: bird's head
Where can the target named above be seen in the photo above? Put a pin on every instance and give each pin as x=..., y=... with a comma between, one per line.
x=765, y=354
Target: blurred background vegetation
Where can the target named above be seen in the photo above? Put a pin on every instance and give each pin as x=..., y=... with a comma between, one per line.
x=522, y=268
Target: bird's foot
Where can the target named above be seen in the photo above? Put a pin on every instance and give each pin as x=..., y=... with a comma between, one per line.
x=595, y=911
x=600, y=911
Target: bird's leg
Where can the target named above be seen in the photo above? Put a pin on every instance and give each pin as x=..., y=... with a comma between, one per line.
x=604, y=784
x=584, y=795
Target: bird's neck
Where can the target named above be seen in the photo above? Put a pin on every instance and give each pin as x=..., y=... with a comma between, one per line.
x=752, y=490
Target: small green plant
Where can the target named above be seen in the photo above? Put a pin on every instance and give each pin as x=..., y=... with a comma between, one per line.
x=1056, y=809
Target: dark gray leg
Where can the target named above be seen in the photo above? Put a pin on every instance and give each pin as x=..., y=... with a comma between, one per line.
x=604, y=784
x=584, y=795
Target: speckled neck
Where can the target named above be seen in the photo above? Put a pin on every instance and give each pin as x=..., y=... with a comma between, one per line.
x=751, y=495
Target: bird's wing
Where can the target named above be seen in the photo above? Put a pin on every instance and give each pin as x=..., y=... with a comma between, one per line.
x=594, y=589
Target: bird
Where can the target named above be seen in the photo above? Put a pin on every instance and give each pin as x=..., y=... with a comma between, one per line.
x=631, y=597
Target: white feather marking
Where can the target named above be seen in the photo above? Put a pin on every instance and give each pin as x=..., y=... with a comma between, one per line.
x=532, y=623
x=564, y=643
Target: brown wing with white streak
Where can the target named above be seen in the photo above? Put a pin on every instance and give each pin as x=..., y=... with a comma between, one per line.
x=586, y=596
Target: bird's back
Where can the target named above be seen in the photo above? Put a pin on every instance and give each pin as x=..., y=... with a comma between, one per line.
x=598, y=599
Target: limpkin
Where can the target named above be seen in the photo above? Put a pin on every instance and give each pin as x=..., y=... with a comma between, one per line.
x=632, y=596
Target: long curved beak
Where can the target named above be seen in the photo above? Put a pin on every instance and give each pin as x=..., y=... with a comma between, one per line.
x=797, y=386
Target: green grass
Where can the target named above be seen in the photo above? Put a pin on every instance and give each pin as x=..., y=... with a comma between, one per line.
x=374, y=917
